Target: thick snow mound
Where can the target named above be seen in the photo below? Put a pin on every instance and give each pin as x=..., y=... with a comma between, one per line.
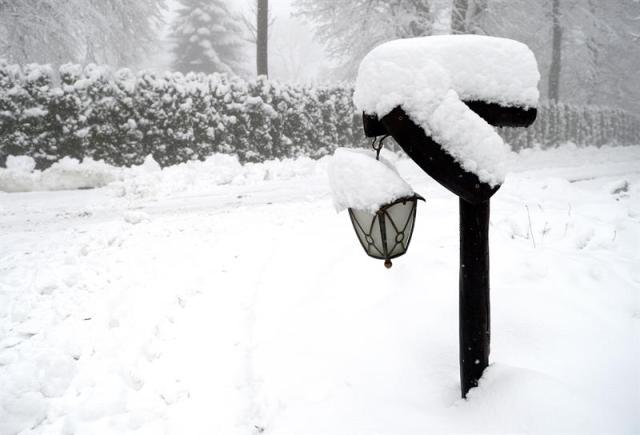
x=149, y=180
x=484, y=68
x=430, y=77
x=21, y=163
x=66, y=174
x=361, y=182
x=71, y=174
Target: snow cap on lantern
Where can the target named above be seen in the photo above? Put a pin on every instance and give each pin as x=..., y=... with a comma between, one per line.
x=382, y=206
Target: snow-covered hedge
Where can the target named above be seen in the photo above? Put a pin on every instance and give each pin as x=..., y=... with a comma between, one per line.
x=559, y=123
x=121, y=117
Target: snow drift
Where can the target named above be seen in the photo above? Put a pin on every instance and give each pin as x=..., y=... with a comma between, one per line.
x=149, y=179
x=250, y=308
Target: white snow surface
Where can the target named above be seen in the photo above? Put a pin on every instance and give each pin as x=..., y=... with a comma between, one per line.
x=148, y=179
x=361, y=182
x=430, y=77
x=200, y=305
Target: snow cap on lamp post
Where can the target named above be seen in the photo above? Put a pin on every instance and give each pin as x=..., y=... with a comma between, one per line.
x=382, y=206
x=440, y=96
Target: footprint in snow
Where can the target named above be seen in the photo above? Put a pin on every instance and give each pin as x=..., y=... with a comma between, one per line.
x=136, y=217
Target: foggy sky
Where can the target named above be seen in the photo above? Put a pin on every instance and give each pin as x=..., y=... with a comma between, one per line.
x=302, y=63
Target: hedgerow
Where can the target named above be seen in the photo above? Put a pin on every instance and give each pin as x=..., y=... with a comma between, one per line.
x=121, y=117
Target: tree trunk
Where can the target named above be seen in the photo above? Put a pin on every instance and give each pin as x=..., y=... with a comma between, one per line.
x=89, y=55
x=556, y=54
x=459, y=10
x=474, y=16
x=593, y=45
x=262, y=43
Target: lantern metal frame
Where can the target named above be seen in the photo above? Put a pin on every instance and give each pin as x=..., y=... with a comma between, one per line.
x=379, y=222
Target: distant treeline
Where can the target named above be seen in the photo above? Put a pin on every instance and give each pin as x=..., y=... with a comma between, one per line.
x=122, y=117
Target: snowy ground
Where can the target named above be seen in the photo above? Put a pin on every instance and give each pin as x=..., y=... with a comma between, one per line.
x=208, y=302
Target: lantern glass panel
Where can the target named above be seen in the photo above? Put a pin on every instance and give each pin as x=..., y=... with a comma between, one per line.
x=387, y=233
x=399, y=219
x=369, y=233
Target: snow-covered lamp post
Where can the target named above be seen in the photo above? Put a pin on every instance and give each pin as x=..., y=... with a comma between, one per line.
x=439, y=98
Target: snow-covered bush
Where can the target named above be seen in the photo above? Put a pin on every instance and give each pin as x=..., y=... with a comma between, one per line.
x=559, y=123
x=121, y=117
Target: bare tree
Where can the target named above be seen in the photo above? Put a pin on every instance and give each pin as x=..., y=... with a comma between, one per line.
x=258, y=23
x=42, y=31
x=350, y=29
x=123, y=31
x=294, y=54
x=262, y=38
x=117, y=32
x=466, y=16
x=556, y=52
x=587, y=50
x=459, y=10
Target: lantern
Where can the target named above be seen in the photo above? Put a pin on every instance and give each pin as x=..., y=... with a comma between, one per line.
x=386, y=234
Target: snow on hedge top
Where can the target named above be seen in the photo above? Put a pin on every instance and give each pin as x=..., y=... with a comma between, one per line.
x=430, y=77
x=361, y=182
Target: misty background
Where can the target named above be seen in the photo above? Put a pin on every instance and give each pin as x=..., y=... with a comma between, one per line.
x=588, y=49
x=296, y=56
x=181, y=80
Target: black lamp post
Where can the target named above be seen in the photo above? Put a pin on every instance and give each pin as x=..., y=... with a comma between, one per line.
x=474, y=220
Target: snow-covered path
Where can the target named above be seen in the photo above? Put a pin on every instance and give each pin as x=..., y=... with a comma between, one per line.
x=250, y=308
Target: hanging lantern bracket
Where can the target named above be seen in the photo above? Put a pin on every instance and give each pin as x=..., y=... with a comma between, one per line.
x=378, y=144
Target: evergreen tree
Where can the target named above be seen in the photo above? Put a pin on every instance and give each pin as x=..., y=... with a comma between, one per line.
x=208, y=38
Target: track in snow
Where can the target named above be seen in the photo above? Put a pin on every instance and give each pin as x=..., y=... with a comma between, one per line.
x=245, y=309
